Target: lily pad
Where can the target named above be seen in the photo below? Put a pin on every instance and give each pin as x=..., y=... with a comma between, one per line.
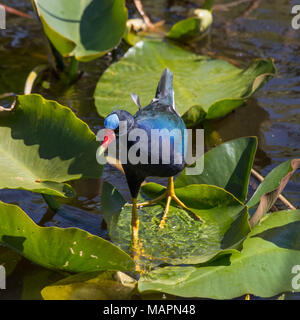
x=263, y=268
x=184, y=239
x=80, y=28
x=227, y=166
x=105, y=285
x=69, y=249
x=43, y=145
x=205, y=88
x=193, y=27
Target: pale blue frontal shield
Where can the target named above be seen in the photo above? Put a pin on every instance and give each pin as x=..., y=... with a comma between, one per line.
x=111, y=122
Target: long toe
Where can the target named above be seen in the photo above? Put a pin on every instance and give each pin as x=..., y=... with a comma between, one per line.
x=153, y=201
x=182, y=205
x=167, y=208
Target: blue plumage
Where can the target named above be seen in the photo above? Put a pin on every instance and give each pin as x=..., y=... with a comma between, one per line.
x=162, y=117
x=159, y=115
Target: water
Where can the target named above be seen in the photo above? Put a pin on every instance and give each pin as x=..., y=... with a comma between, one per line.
x=273, y=115
x=240, y=34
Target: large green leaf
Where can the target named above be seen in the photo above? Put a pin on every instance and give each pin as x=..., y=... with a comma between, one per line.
x=43, y=144
x=204, y=87
x=184, y=239
x=227, y=166
x=69, y=249
x=263, y=267
x=105, y=285
x=85, y=29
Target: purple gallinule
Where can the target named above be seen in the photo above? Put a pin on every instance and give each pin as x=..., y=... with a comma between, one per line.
x=161, y=115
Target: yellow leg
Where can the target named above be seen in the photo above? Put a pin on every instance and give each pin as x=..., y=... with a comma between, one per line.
x=169, y=195
x=135, y=225
x=135, y=233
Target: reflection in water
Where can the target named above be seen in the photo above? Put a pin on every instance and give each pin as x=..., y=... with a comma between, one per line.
x=248, y=120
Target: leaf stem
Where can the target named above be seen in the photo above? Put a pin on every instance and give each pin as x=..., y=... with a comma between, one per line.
x=140, y=8
x=16, y=12
x=32, y=77
x=227, y=6
x=73, y=70
x=51, y=202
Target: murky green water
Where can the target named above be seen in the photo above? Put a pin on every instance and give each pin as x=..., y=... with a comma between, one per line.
x=239, y=35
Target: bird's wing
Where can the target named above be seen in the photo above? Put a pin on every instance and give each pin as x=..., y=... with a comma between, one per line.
x=162, y=117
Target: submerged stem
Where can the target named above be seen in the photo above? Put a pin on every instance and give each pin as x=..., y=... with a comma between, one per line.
x=51, y=202
x=73, y=70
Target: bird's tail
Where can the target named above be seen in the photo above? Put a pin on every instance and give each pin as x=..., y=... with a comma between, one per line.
x=164, y=91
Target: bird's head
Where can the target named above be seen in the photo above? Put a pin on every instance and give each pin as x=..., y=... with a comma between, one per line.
x=116, y=124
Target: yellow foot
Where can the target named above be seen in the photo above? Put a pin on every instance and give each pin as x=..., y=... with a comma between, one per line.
x=170, y=195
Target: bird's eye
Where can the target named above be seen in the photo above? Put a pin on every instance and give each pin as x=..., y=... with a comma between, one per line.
x=111, y=122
